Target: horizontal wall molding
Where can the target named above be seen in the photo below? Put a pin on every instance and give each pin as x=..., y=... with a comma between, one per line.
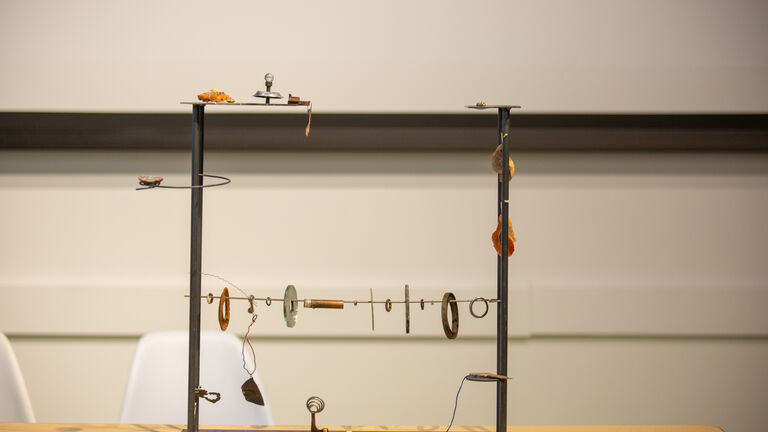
x=534, y=311
x=389, y=132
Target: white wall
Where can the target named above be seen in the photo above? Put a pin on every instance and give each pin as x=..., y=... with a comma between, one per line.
x=638, y=284
x=392, y=56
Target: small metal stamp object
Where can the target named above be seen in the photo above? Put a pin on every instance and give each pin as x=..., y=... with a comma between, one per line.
x=251, y=392
x=315, y=405
x=209, y=298
x=290, y=308
x=388, y=305
x=224, y=305
x=268, y=94
x=211, y=397
x=250, y=303
x=407, y=310
x=451, y=329
x=472, y=305
x=150, y=181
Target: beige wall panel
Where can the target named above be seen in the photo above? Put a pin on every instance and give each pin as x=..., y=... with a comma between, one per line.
x=395, y=56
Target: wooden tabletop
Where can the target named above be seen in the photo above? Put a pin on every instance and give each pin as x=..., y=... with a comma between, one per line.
x=89, y=427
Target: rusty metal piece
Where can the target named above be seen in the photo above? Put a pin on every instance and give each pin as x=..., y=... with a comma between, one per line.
x=421, y=303
x=251, y=392
x=486, y=377
x=511, y=239
x=250, y=303
x=451, y=330
x=150, y=181
x=315, y=405
x=407, y=310
x=224, y=304
x=295, y=100
x=323, y=304
x=215, y=95
x=209, y=298
x=211, y=397
x=472, y=304
x=388, y=305
x=268, y=301
x=496, y=163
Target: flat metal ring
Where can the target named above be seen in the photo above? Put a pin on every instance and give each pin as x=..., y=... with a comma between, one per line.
x=388, y=305
x=451, y=330
x=268, y=301
x=209, y=298
x=472, y=304
x=290, y=308
x=224, y=304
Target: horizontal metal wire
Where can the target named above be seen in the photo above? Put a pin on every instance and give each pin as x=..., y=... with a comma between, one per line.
x=264, y=299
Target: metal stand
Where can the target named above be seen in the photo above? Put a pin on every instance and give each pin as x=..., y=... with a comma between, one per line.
x=502, y=262
x=195, y=268
x=501, y=282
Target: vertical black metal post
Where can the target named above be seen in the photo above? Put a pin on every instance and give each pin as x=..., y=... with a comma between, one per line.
x=195, y=268
x=501, y=283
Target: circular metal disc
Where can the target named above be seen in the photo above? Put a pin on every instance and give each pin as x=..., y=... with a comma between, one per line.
x=266, y=94
x=290, y=306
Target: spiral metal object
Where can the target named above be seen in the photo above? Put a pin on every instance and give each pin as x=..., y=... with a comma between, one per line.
x=315, y=404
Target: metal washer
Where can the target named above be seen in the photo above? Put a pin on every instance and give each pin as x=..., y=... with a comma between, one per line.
x=290, y=306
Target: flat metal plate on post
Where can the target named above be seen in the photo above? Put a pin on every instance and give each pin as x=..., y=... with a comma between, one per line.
x=482, y=107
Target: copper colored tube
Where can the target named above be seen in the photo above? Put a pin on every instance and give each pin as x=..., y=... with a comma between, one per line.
x=323, y=304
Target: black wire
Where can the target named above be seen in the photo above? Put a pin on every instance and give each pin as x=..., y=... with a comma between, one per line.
x=456, y=404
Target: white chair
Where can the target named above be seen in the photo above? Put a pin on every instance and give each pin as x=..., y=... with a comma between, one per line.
x=14, y=401
x=157, y=384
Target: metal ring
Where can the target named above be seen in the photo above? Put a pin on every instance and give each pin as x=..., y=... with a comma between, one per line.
x=355, y=303
x=472, y=304
x=209, y=298
x=388, y=305
x=250, y=303
x=451, y=330
x=224, y=304
x=268, y=301
x=421, y=303
x=290, y=309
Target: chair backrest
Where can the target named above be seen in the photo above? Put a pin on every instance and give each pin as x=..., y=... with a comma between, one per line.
x=157, y=384
x=14, y=401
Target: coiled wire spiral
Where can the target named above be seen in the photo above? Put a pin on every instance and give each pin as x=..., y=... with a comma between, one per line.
x=315, y=404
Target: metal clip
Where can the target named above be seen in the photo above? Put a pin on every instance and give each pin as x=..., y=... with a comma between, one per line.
x=211, y=397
